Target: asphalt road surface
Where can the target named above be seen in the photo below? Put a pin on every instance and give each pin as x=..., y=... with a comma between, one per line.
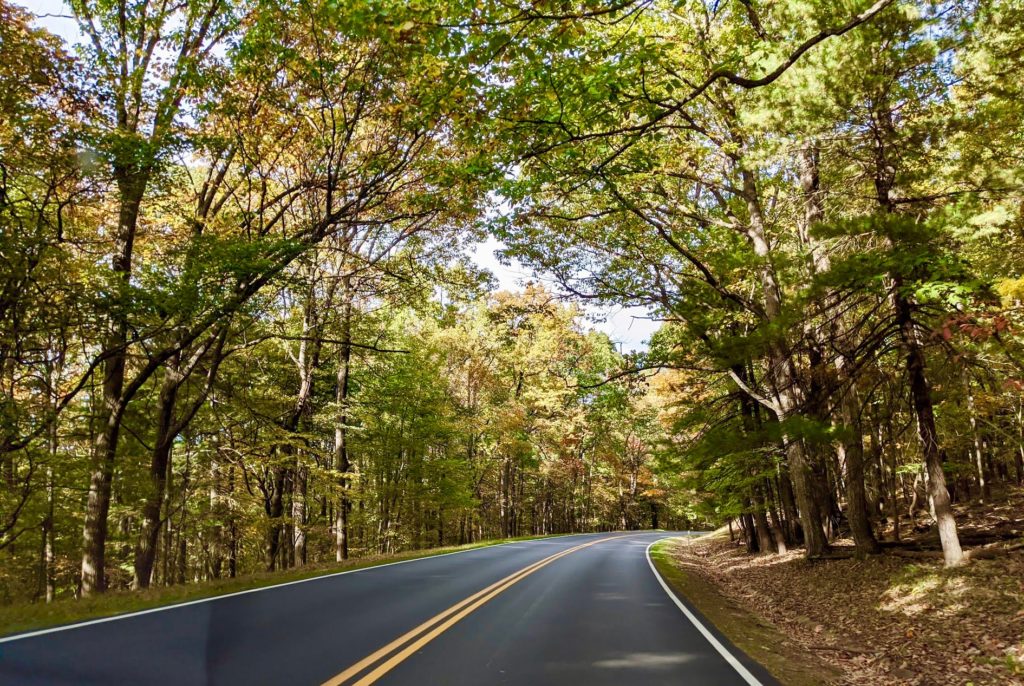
x=585, y=609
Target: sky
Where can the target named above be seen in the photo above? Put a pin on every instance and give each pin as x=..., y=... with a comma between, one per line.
x=628, y=327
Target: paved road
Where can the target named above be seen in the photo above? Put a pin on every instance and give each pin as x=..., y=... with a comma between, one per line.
x=571, y=610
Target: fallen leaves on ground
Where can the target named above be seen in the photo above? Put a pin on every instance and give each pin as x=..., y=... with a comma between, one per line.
x=881, y=620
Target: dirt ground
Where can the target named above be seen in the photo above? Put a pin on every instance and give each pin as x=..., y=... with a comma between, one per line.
x=884, y=620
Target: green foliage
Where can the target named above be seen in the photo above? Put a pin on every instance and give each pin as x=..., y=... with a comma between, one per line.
x=239, y=245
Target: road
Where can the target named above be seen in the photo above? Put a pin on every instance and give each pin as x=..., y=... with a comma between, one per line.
x=585, y=609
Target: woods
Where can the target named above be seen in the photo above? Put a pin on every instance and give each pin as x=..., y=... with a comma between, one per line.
x=829, y=240
x=242, y=330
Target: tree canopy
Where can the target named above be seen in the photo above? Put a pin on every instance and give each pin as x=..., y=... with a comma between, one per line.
x=241, y=329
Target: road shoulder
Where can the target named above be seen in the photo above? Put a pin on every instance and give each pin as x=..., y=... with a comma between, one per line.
x=884, y=620
x=758, y=639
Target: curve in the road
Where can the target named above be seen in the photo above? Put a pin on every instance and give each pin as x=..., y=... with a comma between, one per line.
x=436, y=625
x=547, y=612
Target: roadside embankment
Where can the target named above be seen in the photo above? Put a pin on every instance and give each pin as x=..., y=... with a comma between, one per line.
x=883, y=620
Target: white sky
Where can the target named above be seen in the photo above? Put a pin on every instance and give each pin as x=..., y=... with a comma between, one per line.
x=629, y=327
x=51, y=15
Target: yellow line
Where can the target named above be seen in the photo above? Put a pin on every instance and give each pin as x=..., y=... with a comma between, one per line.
x=399, y=657
x=398, y=642
x=459, y=610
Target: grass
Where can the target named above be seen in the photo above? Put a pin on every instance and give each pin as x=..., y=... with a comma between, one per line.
x=787, y=662
x=21, y=617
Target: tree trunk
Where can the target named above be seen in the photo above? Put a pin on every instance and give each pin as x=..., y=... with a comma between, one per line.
x=784, y=379
x=984, y=485
x=286, y=470
x=145, y=549
x=131, y=187
x=1018, y=457
x=232, y=526
x=167, y=431
x=765, y=542
x=748, y=412
x=782, y=536
x=287, y=523
x=47, y=561
x=274, y=507
x=920, y=393
x=850, y=449
x=218, y=514
x=794, y=532
x=299, y=486
x=97, y=508
x=342, y=462
x=749, y=537
x=921, y=401
x=852, y=454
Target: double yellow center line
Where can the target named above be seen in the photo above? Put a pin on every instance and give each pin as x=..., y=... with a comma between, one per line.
x=391, y=655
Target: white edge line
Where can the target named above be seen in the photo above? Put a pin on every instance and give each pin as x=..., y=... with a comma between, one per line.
x=139, y=613
x=715, y=643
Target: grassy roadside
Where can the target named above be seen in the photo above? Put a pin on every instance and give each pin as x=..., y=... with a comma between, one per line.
x=20, y=617
x=786, y=661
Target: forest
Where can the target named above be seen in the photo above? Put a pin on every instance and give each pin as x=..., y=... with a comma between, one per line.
x=241, y=329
